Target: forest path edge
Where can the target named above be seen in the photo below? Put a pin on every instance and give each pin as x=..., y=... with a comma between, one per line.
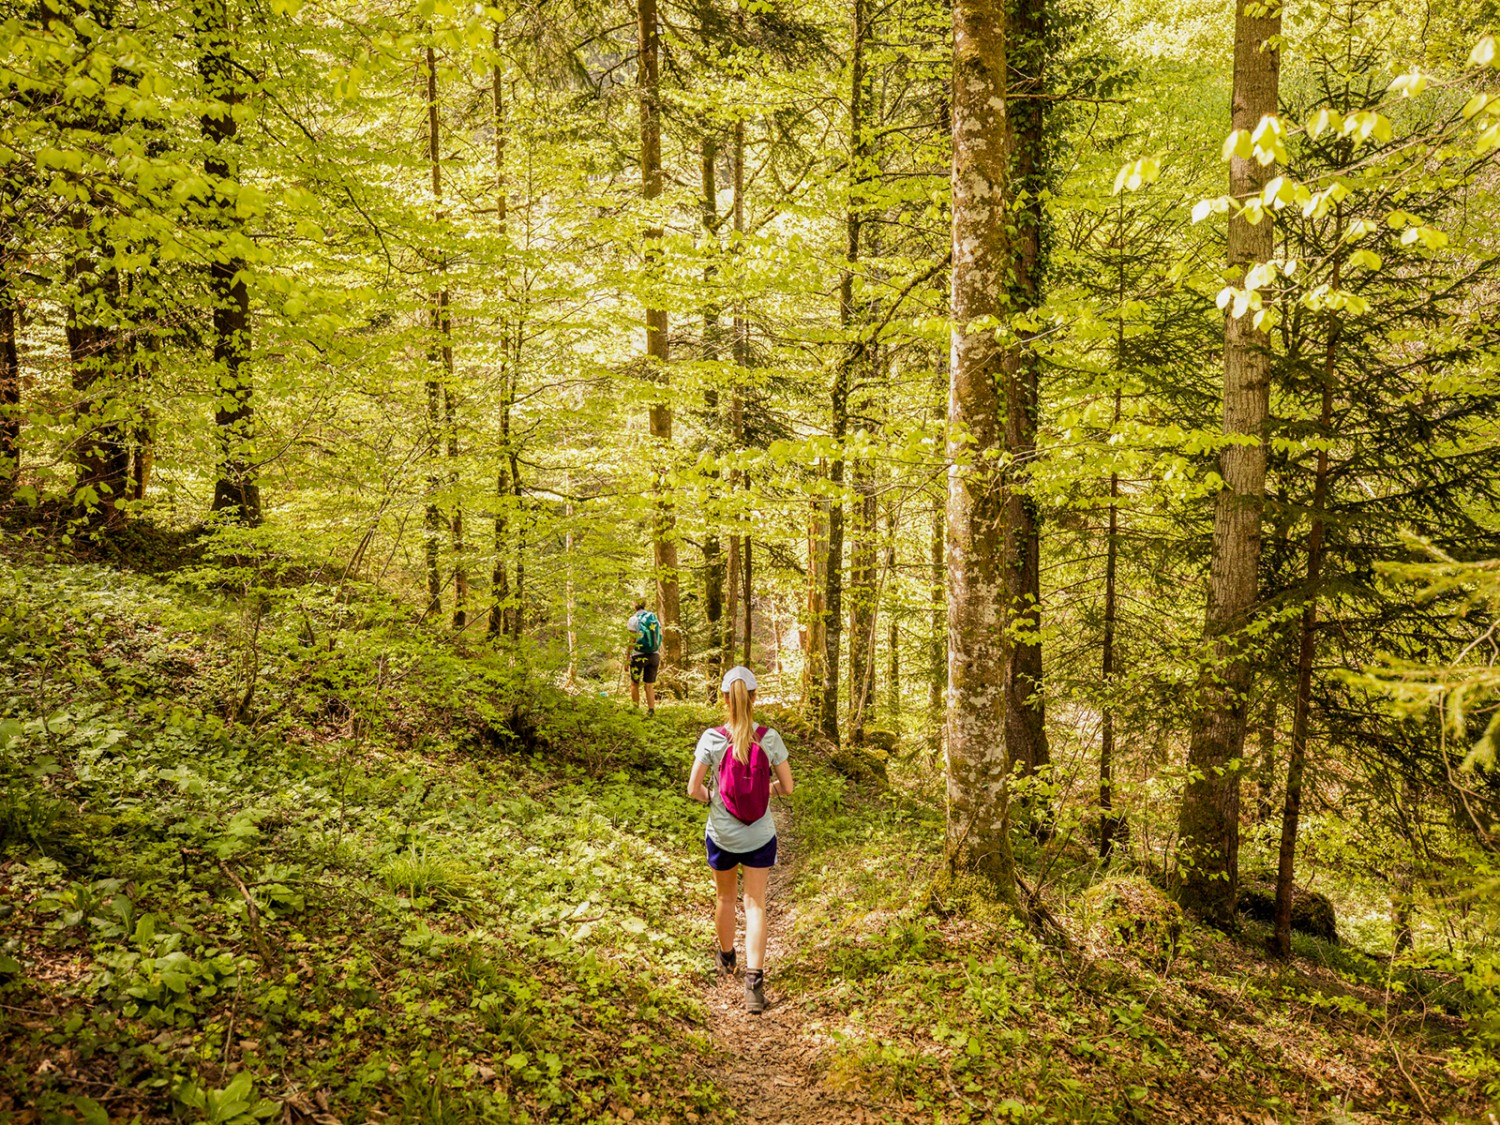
x=770, y=1066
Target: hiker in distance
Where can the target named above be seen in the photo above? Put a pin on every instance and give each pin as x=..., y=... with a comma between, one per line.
x=736, y=769
x=644, y=655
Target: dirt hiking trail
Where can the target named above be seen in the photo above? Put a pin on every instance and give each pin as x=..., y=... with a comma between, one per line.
x=773, y=1064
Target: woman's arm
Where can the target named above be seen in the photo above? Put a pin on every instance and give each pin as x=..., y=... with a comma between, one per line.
x=697, y=790
x=781, y=784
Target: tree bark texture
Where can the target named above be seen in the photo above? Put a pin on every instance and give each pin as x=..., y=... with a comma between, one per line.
x=236, y=492
x=978, y=823
x=1209, y=819
x=664, y=528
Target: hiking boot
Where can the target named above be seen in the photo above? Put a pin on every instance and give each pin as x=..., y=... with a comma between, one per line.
x=755, y=991
x=650, y=712
x=724, y=963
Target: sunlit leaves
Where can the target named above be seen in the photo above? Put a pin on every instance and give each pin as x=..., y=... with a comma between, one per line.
x=1410, y=84
x=1483, y=53
x=1138, y=173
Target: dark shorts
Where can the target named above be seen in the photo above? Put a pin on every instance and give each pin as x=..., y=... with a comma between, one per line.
x=720, y=860
x=643, y=667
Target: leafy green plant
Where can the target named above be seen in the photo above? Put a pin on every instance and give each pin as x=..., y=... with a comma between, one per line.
x=235, y=1104
x=418, y=875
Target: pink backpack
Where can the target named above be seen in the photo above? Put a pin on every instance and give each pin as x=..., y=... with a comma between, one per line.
x=745, y=787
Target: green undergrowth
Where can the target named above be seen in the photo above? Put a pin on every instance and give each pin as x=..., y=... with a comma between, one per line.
x=271, y=850
x=1123, y=1013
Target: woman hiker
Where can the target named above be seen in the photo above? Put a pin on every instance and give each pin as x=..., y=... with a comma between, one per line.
x=736, y=770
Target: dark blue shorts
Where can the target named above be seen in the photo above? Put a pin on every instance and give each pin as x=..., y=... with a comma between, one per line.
x=721, y=860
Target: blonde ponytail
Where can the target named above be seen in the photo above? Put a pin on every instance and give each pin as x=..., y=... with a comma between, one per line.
x=741, y=725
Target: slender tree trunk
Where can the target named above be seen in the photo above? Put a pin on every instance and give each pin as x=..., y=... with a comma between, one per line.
x=1307, y=648
x=862, y=558
x=713, y=552
x=1209, y=820
x=518, y=609
x=1026, y=55
x=843, y=378
x=814, y=650
x=432, y=520
x=978, y=828
x=749, y=606
x=236, y=492
x=664, y=526
x=1107, y=819
x=10, y=395
x=500, y=595
x=440, y=392
x=937, y=656
x=892, y=623
x=731, y=599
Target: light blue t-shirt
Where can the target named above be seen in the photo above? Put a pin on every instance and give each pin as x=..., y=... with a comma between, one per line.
x=723, y=829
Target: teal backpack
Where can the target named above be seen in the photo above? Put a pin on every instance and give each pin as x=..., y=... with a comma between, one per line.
x=650, y=628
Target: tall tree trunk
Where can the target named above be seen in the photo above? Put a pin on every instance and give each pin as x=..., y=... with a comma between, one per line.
x=1026, y=55
x=1209, y=820
x=893, y=624
x=713, y=553
x=859, y=82
x=432, y=519
x=664, y=525
x=236, y=492
x=1107, y=819
x=937, y=656
x=815, y=634
x=440, y=392
x=978, y=768
x=731, y=599
x=862, y=573
x=10, y=394
x=1286, y=860
x=500, y=594
x=749, y=606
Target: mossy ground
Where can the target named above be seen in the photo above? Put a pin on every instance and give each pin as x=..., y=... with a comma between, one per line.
x=413, y=883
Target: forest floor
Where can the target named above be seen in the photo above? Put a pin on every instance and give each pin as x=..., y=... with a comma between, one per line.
x=275, y=853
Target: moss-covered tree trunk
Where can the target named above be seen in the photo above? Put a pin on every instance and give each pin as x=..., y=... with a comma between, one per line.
x=978, y=823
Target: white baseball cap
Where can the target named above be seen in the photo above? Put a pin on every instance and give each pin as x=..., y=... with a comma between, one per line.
x=738, y=672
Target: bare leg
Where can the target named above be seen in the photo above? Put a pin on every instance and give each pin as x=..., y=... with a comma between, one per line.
x=635, y=692
x=651, y=697
x=756, y=879
x=725, y=886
